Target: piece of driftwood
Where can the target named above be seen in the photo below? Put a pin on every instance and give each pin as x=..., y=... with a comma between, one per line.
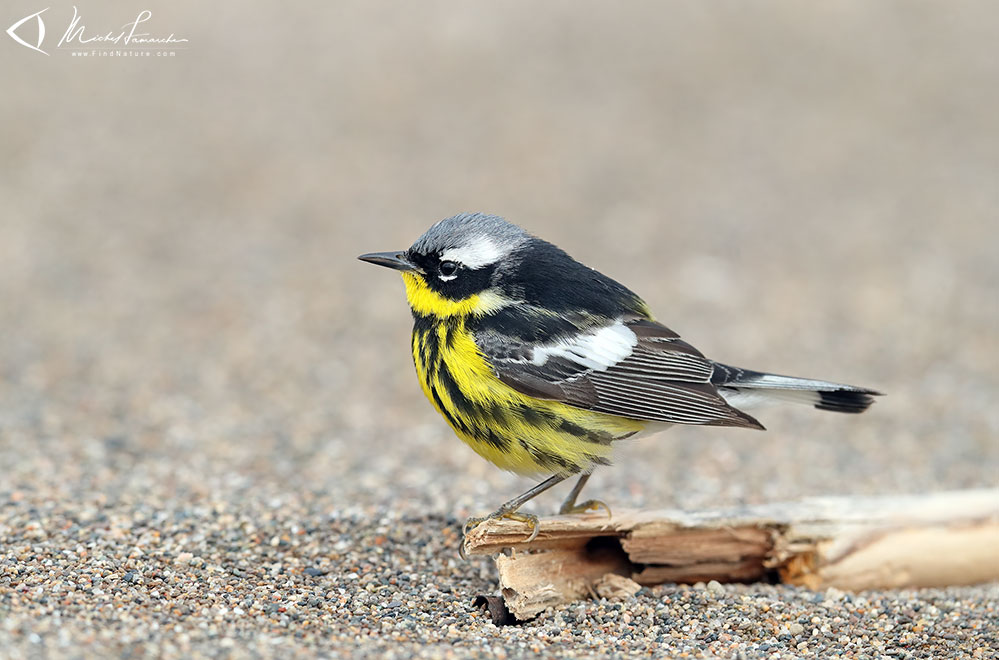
x=937, y=539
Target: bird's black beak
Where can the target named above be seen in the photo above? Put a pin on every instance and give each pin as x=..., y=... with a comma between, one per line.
x=394, y=260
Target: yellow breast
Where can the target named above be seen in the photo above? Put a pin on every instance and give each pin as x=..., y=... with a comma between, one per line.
x=514, y=431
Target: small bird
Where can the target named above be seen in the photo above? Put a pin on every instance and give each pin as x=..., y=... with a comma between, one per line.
x=540, y=364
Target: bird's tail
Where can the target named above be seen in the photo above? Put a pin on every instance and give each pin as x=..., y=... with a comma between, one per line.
x=744, y=388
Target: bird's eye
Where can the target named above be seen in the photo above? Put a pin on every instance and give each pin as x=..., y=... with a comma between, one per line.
x=448, y=268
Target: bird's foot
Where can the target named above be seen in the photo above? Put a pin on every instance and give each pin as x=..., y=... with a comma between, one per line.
x=500, y=514
x=584, y=507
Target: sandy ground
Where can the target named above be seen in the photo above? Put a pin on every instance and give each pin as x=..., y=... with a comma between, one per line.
x=211, y=438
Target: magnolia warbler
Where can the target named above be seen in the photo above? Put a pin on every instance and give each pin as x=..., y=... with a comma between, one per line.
x=540, y=363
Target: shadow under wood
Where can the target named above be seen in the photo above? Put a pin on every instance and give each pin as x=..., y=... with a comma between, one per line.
x=604, y=567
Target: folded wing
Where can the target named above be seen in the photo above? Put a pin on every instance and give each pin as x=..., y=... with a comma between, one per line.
x=629, y=367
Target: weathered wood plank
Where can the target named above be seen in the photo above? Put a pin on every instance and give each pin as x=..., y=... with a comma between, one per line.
x=927, y=540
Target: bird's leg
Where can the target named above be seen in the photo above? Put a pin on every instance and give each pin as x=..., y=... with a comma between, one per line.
x=509, y=509
x=570, y=506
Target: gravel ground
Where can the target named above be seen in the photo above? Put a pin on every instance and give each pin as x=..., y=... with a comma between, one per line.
x=211, y=438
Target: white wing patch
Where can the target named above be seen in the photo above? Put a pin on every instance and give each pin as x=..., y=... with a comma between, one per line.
x=598, y=350
x=482, y=252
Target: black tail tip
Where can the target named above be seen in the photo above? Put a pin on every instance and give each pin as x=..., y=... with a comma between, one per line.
x=846, y=401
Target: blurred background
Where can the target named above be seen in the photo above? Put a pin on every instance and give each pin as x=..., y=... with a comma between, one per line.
x=808, y=189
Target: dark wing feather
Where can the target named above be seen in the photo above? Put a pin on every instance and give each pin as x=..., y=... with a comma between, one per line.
x=662, y=379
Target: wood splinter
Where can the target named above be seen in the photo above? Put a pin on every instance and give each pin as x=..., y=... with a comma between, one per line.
x=852, y=543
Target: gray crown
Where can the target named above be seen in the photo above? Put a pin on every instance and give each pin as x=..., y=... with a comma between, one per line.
x=466, y=229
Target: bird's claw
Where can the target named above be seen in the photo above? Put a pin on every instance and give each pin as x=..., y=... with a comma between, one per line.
x=585, y=507
x=527, y=518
